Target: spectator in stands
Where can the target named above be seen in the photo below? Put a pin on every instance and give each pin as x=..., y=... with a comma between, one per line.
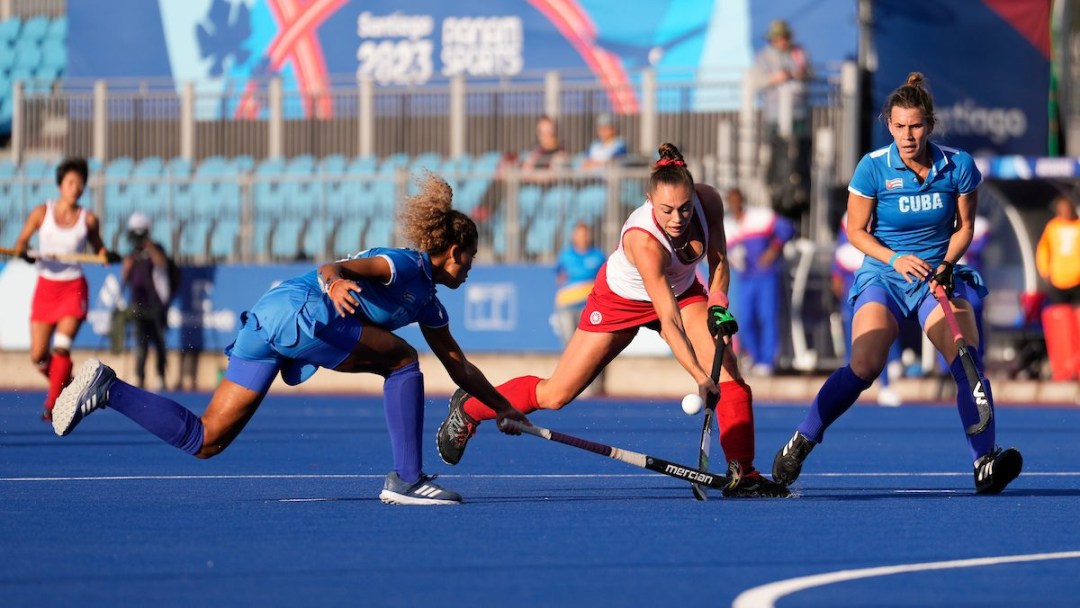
x=756, y=238
x=341, y=316
x=607, y=148
x=152, y=280
x=575, y=273
x=846, y=261
x=1058, y=259
x=784, y=67
x=61, y=296
x=910, y=251
x=547, y=156
x=649, y=281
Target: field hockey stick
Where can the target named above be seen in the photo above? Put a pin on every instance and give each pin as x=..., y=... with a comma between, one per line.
x=975, y=381
x=637, y=459
x=89, y=258
x=699, y=490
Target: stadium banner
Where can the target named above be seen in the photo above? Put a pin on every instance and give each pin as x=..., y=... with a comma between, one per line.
x=969, y=51
x=500, y=308
x=229, y=45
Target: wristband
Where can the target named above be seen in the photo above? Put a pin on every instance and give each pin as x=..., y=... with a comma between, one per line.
x=895, y=257
x=330, y=286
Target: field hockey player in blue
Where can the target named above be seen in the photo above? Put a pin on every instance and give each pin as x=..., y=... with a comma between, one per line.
x=911, y=210
x=341, y=317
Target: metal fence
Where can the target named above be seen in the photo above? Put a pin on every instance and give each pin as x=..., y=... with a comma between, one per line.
x=262, y=119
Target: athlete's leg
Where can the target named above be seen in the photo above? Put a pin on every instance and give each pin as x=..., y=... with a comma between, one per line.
x=745, y=309
x=142, y=341
x=940, y=335
x=381, y=352
x=768, y=311
x=874, y=327
x=40, y=343
x=60, y=362
x=585, y=356
x=734, y=411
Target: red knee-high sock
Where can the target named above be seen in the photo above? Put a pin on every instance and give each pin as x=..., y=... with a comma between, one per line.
x=735, y=417
x=59, y=377
x=520, y=392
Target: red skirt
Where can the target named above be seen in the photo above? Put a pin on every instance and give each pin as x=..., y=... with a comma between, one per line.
x=605, y=311
x=55, y=300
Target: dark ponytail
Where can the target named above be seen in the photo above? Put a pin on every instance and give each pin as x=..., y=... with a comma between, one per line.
x=670, y=169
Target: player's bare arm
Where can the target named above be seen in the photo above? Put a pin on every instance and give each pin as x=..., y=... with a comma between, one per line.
x=650, y=259
x=719, y=269
x=340, y=278
x=860, y=209
x=469, y=377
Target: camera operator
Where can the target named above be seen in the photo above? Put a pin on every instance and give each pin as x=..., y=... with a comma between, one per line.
x=148, y=274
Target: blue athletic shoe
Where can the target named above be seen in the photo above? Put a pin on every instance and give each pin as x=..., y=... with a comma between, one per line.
x=423, y=491
x=88, y=391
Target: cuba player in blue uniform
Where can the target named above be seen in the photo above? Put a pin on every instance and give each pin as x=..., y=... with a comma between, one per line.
x=341, y=317
x=911, y=210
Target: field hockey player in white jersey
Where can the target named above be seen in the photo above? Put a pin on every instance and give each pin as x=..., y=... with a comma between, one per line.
x=649, y=281
x=61, y=295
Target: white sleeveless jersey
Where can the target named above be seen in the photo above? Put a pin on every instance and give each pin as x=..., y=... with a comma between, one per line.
x=623, y=277
x=58, y=239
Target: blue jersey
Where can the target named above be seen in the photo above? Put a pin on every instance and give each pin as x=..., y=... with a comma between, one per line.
x=580, y=265
x=408, y=297
x=912, y=217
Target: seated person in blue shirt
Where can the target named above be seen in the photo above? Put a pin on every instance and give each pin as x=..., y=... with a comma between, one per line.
x=607, y=147
x=341, y=317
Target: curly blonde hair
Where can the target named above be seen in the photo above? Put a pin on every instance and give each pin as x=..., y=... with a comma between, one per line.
x=430, y=223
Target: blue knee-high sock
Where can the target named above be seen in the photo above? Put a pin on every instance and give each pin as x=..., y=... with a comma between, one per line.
x=840, y=390
x=172, y=422
x=403, y=400
x=969, y=414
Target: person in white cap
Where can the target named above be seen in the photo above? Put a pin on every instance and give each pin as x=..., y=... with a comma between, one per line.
x=146, y=273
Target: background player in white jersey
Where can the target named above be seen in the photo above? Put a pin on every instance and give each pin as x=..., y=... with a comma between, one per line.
x=61, y=295
x=340, y=316
x=649, y=281
x=911, y=210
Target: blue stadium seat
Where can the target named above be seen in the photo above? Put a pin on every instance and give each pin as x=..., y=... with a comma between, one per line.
x=34, y=29
x=223, y=237
x=380, y=233
x=27, y=57
x=363, y=165
x=193, y=236
x=348, y=236
x=529, y=197
x=35, y=167
x=588, y=205
x=286, y=242
x=9, y=32
x=545, y=224
x=333, y=164
x=54, y=55
x=58, y=29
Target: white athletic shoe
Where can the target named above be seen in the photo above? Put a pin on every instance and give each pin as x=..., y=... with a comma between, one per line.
x=88, y=391
x=887, y=397
x=423, y=491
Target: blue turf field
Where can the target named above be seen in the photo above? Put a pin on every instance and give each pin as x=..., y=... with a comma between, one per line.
x=289, y=514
